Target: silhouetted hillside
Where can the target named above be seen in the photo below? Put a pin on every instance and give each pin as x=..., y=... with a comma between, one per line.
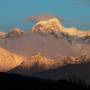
x=36, y=83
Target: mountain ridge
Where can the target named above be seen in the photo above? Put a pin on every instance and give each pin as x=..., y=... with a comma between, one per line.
x=39, y=62
x=9, y=60
x=49, y=25
x=55, y=24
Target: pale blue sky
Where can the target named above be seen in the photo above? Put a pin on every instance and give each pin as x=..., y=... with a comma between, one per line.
x=75, y=13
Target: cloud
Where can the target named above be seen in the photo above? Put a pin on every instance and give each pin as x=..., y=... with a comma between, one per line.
x=85, y=24
x=77, y=19
x=82, y=2
x=41, y=17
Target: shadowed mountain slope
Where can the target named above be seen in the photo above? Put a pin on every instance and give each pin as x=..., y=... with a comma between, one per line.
x=38, y=62
x=80, y=71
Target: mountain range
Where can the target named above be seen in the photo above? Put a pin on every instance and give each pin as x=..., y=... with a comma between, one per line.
x=47, y=46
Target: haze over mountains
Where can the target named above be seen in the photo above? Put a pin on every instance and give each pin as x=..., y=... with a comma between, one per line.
x=48, y=45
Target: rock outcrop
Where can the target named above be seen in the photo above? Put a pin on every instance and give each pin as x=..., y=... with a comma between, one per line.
x=50, y=63
x=48, y=25
x=15, y=32
x=2, y=34
x=41, y=62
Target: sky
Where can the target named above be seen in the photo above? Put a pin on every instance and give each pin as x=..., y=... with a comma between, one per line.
x=74, y=13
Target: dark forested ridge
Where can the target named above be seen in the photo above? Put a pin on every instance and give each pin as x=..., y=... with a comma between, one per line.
x=36, y=83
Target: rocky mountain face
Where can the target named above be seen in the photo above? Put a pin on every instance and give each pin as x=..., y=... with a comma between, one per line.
x=55, y=24
x=39, y=63
x=15, y=32
x=48, y=25
x=9, y=60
